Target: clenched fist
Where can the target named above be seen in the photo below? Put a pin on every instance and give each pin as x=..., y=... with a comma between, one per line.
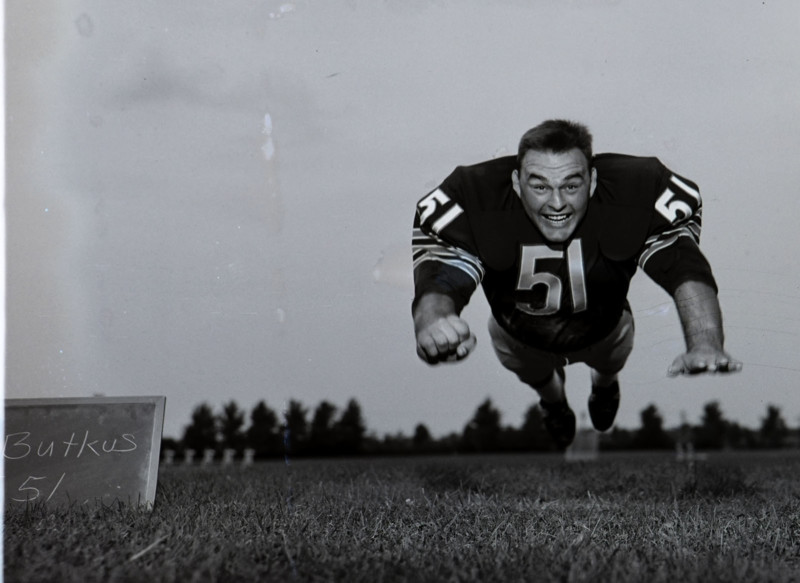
x=445, y=339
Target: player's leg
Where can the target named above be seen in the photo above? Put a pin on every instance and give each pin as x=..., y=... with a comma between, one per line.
x=536, y=368
x=544, y=372
x=605, y=360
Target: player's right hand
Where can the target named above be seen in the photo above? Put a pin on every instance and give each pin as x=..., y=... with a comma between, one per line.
x=446, y=339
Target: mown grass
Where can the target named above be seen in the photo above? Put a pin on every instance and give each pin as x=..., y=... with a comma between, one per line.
x=504, y=518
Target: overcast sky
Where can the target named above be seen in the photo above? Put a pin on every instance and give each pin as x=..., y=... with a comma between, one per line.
x=213, y=200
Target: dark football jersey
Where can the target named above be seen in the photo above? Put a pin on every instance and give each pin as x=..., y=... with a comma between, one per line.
x=473, y=230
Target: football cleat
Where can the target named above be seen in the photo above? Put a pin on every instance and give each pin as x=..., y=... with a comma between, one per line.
x=559, y=420
x=603, y=405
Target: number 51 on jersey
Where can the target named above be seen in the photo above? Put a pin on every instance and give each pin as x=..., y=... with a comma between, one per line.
x=529, y=277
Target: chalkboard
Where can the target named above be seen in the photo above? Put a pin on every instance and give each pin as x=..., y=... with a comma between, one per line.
x=82, y=450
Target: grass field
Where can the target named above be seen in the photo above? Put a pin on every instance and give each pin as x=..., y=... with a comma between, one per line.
x=631, y=517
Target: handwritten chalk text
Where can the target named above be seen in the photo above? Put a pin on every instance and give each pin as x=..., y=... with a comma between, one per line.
x=20, y=445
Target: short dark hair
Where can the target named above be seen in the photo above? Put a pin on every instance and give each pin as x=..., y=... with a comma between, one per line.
x=557, y=136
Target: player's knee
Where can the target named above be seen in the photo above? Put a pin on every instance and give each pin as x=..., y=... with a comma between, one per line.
x=545, y=379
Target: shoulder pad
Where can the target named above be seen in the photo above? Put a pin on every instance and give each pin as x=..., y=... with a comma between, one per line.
x=622, y=205
x=621, y=230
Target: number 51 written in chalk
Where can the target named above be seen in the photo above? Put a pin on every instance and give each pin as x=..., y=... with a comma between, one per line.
x=27, y=486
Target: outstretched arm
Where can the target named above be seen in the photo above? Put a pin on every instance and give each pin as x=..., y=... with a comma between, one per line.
x=447, y=270
x=701, y=319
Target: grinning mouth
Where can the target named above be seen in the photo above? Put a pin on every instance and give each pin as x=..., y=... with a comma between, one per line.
x=559, y=219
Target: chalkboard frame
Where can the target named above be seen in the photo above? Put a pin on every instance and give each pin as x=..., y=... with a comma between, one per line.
x=156, y=432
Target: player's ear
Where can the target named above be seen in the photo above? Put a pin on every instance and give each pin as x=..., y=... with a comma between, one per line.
x=515, y=182
x=593, y=182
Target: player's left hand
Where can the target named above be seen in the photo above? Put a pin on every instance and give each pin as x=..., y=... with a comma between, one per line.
x=703, y=361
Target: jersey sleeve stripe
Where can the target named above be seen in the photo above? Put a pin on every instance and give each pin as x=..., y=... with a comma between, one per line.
x=690, y=227
x=427, y=248
x=474, y=270
x=664, y=240
x=464, y=267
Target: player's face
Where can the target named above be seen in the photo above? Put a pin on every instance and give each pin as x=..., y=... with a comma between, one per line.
x=555, y=190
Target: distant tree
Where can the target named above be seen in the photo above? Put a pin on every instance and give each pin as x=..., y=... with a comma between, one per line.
x=773, y=432
x=741, y=437
x=618, y=439
x=231, y=423
x=652, y=435
x=295, y=428
x=396, y=444
x=482, y=432
x=422, y=439
x=263, y=435
x=350, y=429
x=372, y=445
x=201, y=433
x=322, y=439
x=512, y=439
x=169, y=443
x=713, y=430
x=450, y=443
x=534, y=432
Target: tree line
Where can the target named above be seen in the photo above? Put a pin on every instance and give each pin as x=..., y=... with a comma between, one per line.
x=327, y=431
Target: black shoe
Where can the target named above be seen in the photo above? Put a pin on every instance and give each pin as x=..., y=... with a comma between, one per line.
x=603, y=405
x=559, y=420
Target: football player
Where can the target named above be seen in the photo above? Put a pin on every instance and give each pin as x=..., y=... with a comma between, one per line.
x=554, y=235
